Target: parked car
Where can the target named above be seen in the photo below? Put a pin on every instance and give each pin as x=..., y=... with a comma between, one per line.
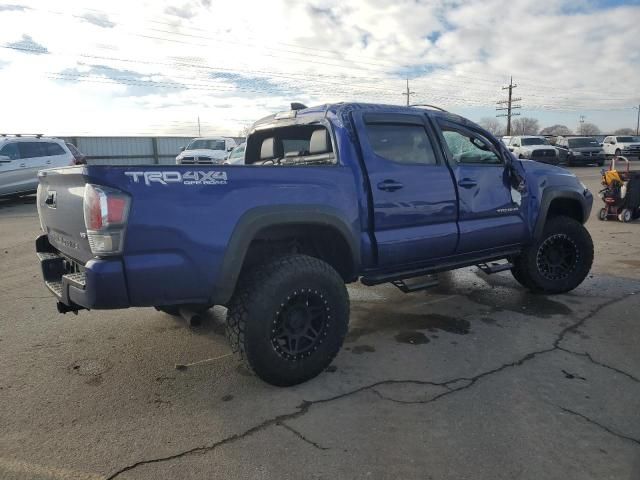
x=236, y=157
x=21, y=157
x=534, y=148
x=580, y=151
x=337, y=193
x=627, y=146
x=206, y=151
x=78, y=157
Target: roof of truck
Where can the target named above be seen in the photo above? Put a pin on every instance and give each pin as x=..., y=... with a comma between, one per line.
x=318, y=112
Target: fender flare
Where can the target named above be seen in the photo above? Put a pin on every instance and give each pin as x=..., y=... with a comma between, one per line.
x=553, y=193
x=259, y=218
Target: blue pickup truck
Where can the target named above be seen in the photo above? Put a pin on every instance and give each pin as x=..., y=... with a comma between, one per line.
x=327, y=196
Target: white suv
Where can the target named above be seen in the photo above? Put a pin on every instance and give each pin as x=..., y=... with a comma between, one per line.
x=625, y=145
x=206, y=151
x=21, y=157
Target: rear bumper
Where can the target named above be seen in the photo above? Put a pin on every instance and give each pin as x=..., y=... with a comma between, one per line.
x=100, y=284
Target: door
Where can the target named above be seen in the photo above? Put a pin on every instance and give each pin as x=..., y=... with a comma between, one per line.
x=33, y=157
x=490, y=210
x=53, y=155
x=14, y=174
x=414, y=199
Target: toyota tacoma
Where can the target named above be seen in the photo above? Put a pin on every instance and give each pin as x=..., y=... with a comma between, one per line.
x=327, y=196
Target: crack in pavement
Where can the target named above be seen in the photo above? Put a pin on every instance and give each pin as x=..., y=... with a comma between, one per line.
x=306, y=405
x=302, y=437
x=603, y=427
x=604, y=365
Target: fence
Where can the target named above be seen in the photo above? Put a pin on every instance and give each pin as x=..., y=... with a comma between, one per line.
x=130, y=150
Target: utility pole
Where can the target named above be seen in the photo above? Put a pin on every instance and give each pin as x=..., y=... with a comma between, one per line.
x=581, y=127
x=638, y=121
x=510, y=105
x=408, y=94
x=199, y=134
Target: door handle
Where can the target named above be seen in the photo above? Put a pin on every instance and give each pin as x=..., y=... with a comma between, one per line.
x=390, y=185
x=467, y=183
x=48, y=161
x=23, y=164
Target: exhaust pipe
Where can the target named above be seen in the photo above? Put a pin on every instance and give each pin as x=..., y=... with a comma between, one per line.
x=193, y=318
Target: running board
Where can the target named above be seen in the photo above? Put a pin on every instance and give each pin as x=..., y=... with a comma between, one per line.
x=386, y=277
x=494, y=267
x=419, y=284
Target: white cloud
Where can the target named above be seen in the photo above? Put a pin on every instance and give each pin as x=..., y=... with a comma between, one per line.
x=141, y=67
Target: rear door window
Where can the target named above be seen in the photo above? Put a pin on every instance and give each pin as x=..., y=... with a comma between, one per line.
x=408, y=144
x=31, y=149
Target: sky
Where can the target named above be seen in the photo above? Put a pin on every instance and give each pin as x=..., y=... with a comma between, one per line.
x=91, y=67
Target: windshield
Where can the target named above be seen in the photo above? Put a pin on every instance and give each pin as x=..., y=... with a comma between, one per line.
x=627, y=139
x=583, y=142
x=207, y=145
x=534, y=141
x=238, y=152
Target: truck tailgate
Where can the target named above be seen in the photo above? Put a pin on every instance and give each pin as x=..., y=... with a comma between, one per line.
x=60, y=206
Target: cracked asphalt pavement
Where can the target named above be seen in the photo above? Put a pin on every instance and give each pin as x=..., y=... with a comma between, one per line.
x=474, y=379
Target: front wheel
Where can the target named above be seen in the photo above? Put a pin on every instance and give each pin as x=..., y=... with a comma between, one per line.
x=288, y=318
x=602, y=214
x=559, y=260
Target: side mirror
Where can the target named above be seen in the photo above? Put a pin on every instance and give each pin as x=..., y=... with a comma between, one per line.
x=229, y=149
x=182, y=149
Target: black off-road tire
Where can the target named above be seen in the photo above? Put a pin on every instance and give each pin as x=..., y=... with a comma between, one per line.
x=283, y=296
x=559, y=260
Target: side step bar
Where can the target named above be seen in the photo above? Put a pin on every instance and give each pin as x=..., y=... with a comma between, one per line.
x=378, y=278
x=494, y=267
x=422, y=283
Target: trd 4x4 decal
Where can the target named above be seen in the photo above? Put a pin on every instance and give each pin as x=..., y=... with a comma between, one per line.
x=185, y=178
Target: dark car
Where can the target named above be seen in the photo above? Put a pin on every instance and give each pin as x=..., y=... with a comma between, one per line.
x=79, y=158
x=580, y=151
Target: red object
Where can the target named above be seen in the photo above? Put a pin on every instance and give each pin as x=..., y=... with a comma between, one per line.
x=116, y=210
x=93, y=212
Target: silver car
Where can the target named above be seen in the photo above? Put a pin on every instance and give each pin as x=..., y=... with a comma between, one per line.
x=22, y=157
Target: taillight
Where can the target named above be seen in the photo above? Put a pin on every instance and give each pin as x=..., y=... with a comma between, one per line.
x=105, y=216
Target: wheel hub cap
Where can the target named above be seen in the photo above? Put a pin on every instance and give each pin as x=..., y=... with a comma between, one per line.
x=557, y=257
x=301, y=324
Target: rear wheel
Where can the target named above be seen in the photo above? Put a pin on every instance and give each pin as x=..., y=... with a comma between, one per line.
x=626, y=215
x=288, y=318
x=559, y=260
